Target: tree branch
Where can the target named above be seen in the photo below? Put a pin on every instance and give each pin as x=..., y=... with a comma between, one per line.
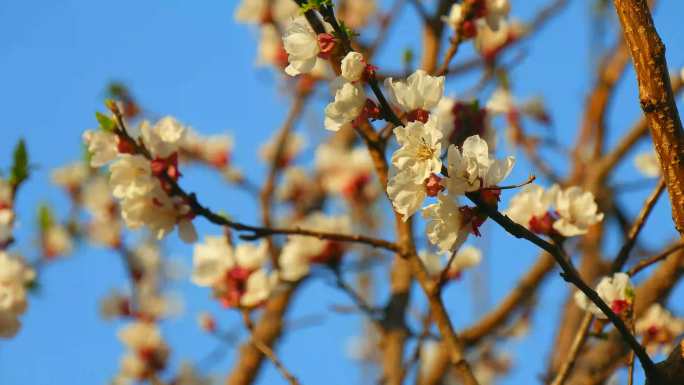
x=656, y=97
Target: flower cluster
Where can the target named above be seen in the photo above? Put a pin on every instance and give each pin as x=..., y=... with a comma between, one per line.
x=304, y=47
x=350, y=100
x=567, y=212
x=147, y=352
x=15, y=278
x=647, y=164
x=105, y=225
x=466, y=258
x=237, y=275
x=490, y=42
x=214, y=150
x=300, y=252
x=658, y=328
x=466, y=17
x=346, y=172
x=616, y=291
x=417, y=166
x=141, y=171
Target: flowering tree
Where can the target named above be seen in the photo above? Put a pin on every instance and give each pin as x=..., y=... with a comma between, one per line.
x=404, y=171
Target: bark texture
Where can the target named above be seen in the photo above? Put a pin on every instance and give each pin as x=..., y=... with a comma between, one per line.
x=656, y=97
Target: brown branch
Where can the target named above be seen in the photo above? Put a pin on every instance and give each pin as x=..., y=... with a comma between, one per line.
x=637, y=226
x=267, y=191
x=655, y=259
x=571, y=275
x=267, y=330
x=577, y=343
x=497, y=317
x=267, y=351
x=618, y=263
x=637, y=132
x=656, y=97
x=597, y=364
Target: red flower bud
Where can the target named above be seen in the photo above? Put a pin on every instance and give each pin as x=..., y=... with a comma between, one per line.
x=418, y=114
x=124, y=146
x=327, y=43
x=433, y=185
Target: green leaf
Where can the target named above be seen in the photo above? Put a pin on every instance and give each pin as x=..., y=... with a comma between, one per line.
x=45, y=217
x=106, y=123
x=408, y=56
x=20, y=165
x=315, y=4
x=350, y=33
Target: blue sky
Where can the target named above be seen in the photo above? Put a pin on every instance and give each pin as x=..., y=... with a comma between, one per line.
x=190, y=60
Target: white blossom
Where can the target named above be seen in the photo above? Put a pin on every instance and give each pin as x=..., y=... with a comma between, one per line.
x=294, y=144
x=455, y=16
x=647, y=163
x=213, y=149
x=445, y=224
x=97, y=198
x=300, y=251
x=270, y=49
x=160, y=213
x=102, y=147
x=531, y=202
x=164, y=138
x=71, y=176
x=131, y=177
x=421, y=148
x=471, y=168
x=301, y=45
x=350, y=98
x=497, y=11
x=406, y=194
x=352, y=66
x=659, y=328
x=236, y=274
x=488, y=40
x=298, y=187
x=357, y=13
x=465, y=258
x=577, y=210
x=15, y=276
x=419, y=91
x=501, y=101
x=343, y=169
x=147, y=351
x=256, y=11
x=188, y=375
x=57, y=241
x=616, y=291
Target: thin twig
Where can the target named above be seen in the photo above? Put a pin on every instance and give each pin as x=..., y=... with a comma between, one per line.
x=634, y=231
x=655, y=259
x=266, y=193
x=267, y=351
x=577, y=344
